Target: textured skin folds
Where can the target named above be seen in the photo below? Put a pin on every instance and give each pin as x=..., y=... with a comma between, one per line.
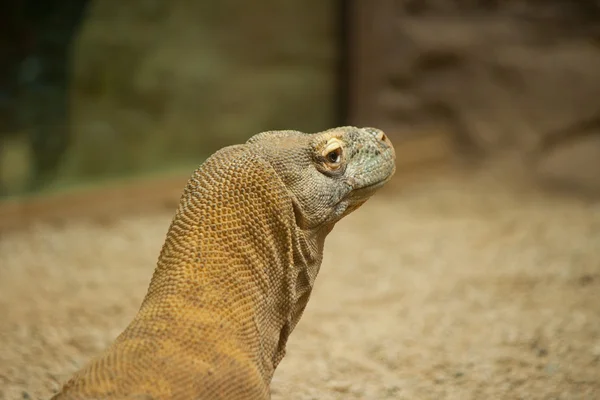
x=237, y=267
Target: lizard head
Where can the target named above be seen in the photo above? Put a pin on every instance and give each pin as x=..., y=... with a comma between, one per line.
x=331, y=173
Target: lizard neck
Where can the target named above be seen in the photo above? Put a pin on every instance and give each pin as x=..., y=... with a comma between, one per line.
x=239, y=279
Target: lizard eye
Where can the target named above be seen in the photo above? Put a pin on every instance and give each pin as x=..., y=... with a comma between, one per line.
x=333, y=155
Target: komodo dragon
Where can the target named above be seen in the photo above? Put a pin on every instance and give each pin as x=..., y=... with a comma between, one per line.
x=237, y=267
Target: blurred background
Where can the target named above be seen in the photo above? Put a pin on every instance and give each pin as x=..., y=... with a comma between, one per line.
x=107, y=106
x=97, y=90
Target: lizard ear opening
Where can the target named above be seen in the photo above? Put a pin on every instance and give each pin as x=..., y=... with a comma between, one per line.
x=301, y=221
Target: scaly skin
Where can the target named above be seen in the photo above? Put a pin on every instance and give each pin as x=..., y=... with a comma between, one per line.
x=238, y=266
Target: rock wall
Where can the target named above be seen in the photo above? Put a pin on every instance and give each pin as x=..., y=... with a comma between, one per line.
x=502, y=76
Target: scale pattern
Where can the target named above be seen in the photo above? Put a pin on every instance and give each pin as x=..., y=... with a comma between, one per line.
x=236, y=270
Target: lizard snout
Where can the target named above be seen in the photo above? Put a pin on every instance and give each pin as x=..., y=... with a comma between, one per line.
x=382, y=140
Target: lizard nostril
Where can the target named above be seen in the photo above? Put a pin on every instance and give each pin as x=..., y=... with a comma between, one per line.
x=379, y=135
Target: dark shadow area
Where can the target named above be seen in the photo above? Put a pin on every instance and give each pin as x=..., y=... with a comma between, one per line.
x=35, y=75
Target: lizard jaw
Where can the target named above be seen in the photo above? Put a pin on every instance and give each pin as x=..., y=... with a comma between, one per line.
x=361, y=194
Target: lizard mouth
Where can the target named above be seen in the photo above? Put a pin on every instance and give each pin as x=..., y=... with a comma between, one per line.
x=364, y=192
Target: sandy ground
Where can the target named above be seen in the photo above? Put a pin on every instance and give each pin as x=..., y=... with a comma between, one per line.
x=452, y=288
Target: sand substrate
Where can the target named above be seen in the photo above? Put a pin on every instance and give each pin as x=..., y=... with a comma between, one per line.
x=459, y=287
